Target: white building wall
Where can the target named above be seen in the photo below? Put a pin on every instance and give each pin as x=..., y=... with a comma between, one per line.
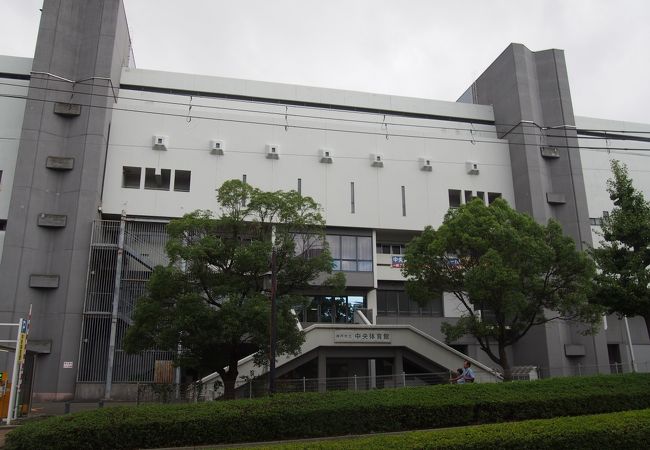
x=12, y=109
x=246, y=127
x=596, y=155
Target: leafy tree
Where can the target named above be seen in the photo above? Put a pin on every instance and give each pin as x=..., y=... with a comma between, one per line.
x=624, y=254
x=210, y=300
x=508, y=272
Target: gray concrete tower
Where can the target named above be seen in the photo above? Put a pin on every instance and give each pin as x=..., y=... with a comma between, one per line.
x=533, y=111
x=81, y=48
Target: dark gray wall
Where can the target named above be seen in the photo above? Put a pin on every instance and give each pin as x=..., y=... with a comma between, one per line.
x=532, y=108
x=76, y=40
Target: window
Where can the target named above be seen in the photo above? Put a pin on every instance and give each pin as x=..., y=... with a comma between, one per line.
x=182, y=180
x=468, y=196
x=329, y=309
x=3, y=224
x=0, y=176
x=131, y=177
x=391, y=249
x=597, y=221
x=492, y=196
x=351, y=253
x=396, y=302
x=481, y=195
x=157, y=179
x=403, y=201
x=352, y=206
x=454, y=198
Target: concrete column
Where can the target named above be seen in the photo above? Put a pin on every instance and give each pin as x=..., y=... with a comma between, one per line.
x=322, y=371
x=372, y=373
x=68, y=120
x=398, y=366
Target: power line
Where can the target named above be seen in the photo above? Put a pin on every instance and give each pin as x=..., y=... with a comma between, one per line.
x=384, y=133
x=339, y=119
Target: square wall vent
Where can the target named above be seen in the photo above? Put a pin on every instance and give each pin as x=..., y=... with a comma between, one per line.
x=216, y=147
x=272, y=151
x=472, y=167
x=325, y=156
x=425, y=164
x=160, y=142
x=376, y=160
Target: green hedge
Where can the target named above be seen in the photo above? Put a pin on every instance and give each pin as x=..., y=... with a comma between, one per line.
x=624, y=430
x=289, y=416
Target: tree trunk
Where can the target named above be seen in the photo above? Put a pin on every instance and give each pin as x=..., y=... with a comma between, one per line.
x=505, y=364
x=229, y=383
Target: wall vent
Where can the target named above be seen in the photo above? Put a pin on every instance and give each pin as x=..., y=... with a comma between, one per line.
x=425, y=164
x=272, y=151
x=376, y=160
x=216, y=147
x=472, y=167
x=325, y=156
x=160, y=142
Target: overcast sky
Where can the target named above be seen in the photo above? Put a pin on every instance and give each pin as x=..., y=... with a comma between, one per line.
x=418, y=48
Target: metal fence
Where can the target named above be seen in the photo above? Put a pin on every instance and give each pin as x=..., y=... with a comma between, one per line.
x=123, y=254
x=258, y=387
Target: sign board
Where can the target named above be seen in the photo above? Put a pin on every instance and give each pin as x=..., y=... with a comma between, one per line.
x=362, y=336
x=68, y=364
x=397, y=262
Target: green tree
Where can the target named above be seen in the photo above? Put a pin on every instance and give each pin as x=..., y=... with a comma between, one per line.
x=508, y=272
x=210, y=301
x=623, y=257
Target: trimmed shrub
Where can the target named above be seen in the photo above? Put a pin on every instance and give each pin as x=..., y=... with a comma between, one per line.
x=292, y=416
x=629, y=430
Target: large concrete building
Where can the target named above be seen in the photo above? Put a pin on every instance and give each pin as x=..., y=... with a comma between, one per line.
x=96, y=156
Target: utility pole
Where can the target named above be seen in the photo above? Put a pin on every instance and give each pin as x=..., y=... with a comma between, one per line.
x=273, y=337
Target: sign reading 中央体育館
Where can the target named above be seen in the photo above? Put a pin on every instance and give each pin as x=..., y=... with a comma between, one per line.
x=362, y=336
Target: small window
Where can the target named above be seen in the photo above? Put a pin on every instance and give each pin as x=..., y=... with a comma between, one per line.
x=131, y=177
x=454, y=198
x=182, y=180
x=492, y=196
x=468, y=196
x=0, y=176
x=3, y=224
x=157, y=181
x=481, y=195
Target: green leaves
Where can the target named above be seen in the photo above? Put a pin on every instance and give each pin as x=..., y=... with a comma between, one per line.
x=298, y=415
x=211, y=299
x=505, y=269
x=624, y=253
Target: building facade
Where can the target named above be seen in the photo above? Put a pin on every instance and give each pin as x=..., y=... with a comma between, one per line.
x=97, y=155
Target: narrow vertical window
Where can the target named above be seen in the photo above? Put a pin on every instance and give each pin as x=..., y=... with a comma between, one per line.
x=243, y=180
x=352, y=197
x=468, y=196
x=454, y=198
x=131, y=177
x=182, y=180
x=492, y=196
x=299, y=186
x=403, y=201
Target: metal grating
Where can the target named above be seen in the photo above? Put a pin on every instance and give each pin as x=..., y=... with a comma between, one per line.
x=143, y=249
